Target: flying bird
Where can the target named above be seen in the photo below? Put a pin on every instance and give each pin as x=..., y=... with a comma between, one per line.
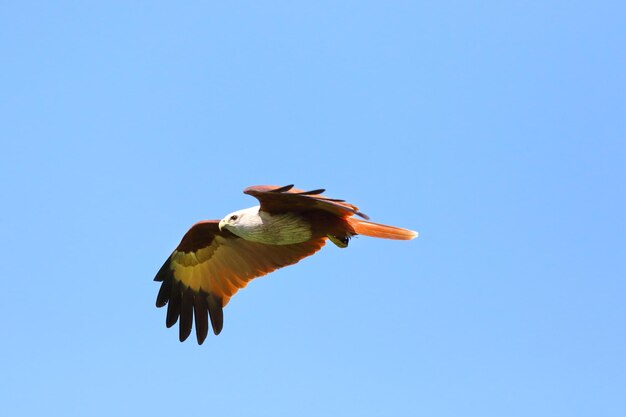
x=217, y=258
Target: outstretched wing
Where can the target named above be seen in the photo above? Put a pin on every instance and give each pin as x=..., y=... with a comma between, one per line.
x=282, y=199
x=209, y=266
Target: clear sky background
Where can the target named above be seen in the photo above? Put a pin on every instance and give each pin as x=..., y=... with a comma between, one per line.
x=496, y=129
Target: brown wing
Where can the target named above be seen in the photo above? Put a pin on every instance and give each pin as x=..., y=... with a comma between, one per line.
x=282, y=199
x=209, y=266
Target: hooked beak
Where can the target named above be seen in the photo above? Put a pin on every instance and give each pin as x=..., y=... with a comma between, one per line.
x=221, y=224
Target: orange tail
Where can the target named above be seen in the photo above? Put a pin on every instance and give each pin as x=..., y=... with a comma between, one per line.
x=362, y=227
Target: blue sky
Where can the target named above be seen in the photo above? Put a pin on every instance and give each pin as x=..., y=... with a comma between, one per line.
x=495, y=129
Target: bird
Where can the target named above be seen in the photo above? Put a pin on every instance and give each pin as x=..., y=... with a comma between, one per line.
x=216, y=258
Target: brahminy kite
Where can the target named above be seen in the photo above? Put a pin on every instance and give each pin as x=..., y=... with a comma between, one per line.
x=217, y=258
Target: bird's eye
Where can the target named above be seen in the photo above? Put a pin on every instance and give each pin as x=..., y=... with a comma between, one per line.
x=233, y=217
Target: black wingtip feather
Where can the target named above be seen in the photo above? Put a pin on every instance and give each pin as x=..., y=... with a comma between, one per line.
x=282, y=189
x=216, y=313
x=165, y=271
x=201, y=316
x=186, y=314
x=312, y=192
x=164, y=293
x=173, y=307
x=165, y=276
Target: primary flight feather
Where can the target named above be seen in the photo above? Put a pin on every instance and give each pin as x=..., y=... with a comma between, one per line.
x=216, y=258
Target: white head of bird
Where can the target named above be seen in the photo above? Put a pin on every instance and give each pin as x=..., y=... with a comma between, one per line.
x=259, y=226
x=241, y=219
